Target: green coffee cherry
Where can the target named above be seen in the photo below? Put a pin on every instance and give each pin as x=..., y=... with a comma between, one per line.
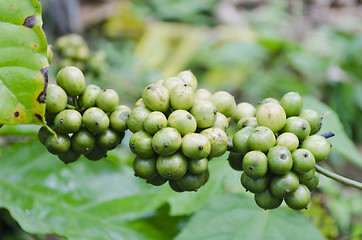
x=140, y=144
x=280, y=160
x=174, y=186
x=145, y=167
x=292, y=103
x=299, y=199
x=154, y=122
x=314, y=119
x=283, y=185
x=221, y=122
x=71, y=79
x=182, y=97
x=271, y=115
x=95, y=120
x=266, y=100
x=247, y=122
x=166, y=141
x=157, y=181
x=195, y=146
x=68, y=121
x=88, y=98
x=318, y=145
x=235, y=161
x=135, y=121
x=171, y=82
x=96, y=154
x=191, y=182
x=108, y=140
x=312, y=183
x=69, y=156
x=198, y=167
x=205, y=113
x=261, y=138
x=173, y=166
x=305, y=177
x=83, y=141
x=243, y=110
x=58, y=144
x=303, y=160
x=189, y=78
x=202, y=94
x=288, y=140
x=139, y=103
x=56, y=100
x=43, y=134
x=107, y=100
x=266, y=200
x=182, y=121
x=240, y=140
x=156, y=98
x=254, y=185
x=224, y=103
x=118, y=118
x=299, y=126
x=218, y=140
x=255, y=164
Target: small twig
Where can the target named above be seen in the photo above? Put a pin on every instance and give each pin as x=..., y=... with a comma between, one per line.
x=339, y=178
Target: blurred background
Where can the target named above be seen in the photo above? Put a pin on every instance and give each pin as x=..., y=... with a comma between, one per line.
x=251, y=48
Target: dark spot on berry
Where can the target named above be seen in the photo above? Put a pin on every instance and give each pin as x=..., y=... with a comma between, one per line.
x=306, y=208
x=30, y=21
x=283, y=156
x=185, y=85
x=133, y=146
x=159, y=126
x=128, y=115
x=305, y=154
x=250, y=168
x=16, y=114
x=169, y=174
x=245, y=124
x=61, y=121
x=148, y=87
x=201, y=147
x=97, y=123
x=215, y=111
x=165, y=144
x=189, y=116
x=304, y=127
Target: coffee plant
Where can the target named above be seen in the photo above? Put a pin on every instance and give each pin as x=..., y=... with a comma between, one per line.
x=178, y=130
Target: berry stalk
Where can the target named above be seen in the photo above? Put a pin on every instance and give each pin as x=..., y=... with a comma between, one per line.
x=338, y=178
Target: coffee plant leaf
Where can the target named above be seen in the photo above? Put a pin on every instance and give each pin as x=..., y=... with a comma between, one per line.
x=23, y=63
x=236, y=216
x=81, y=200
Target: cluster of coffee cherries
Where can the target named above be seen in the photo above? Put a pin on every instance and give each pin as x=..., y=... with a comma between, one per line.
x=74, y=51
x=276, y=148
x=86, y=119
x=177, y=129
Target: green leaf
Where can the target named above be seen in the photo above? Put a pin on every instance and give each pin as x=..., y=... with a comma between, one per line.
x=235, y=216
x=23, y=63
x=82, y=200
x=341, y=143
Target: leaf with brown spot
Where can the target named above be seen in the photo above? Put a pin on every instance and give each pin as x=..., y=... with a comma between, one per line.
x=23, y=63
